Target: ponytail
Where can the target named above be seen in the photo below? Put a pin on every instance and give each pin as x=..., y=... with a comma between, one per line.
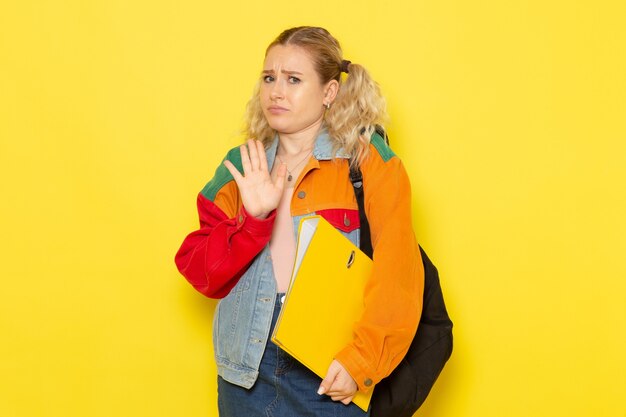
x=358, y=108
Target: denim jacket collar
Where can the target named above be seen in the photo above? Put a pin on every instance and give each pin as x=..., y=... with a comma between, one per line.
x=322, y=150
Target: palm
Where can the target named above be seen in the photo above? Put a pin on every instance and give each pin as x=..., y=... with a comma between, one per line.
x=260, y=193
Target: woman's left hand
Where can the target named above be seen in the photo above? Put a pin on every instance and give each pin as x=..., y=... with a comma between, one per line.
x=338, y=384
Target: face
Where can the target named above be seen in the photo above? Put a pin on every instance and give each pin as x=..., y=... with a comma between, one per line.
x=292, y=95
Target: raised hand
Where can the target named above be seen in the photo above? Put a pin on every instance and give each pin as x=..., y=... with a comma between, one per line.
x=260, y=193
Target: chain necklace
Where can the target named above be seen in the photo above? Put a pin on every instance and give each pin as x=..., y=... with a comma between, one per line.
x=290, y=176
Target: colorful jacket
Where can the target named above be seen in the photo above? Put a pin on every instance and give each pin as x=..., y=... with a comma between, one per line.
x=229, y=258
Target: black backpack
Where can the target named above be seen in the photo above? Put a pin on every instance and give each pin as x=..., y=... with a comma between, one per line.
x=406, y=388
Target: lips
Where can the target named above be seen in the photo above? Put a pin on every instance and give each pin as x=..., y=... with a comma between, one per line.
x=277, y=110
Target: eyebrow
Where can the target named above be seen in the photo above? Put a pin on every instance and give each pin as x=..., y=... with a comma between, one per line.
x=283, y=71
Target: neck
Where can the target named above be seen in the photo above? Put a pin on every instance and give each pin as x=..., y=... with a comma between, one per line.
x=292, y=144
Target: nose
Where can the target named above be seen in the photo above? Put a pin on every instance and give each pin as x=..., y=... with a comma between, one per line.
x=277, y=92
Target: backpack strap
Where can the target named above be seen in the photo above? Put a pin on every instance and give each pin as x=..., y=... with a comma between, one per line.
x=356, y=178
x=365, y=241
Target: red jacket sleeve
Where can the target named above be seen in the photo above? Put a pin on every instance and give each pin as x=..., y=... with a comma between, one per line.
x=214, y=257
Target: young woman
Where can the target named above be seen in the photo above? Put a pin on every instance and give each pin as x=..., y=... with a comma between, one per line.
x=306, y=125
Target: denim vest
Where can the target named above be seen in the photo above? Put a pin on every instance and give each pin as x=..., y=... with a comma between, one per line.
x=242, y=319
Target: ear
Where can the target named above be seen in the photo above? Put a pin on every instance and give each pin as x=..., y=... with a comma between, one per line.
x=330, y=91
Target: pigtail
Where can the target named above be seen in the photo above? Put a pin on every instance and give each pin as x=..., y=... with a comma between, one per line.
x=358, y=108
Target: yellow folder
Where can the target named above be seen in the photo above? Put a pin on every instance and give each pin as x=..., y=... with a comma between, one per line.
x=324, y=298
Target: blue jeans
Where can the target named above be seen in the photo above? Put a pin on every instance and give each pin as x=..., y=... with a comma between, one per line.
x=284, y=388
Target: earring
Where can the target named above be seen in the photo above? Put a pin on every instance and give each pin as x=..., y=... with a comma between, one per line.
x=327, y=105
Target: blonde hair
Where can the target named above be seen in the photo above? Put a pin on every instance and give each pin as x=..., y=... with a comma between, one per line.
x=357, y=109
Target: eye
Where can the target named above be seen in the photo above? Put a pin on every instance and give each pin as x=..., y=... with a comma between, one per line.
x=268, y=79
x=294, y=80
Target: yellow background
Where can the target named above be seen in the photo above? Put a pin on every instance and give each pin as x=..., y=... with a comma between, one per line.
x=510, y=117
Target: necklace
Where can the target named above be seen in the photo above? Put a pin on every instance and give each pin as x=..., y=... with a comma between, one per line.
x=290, y=176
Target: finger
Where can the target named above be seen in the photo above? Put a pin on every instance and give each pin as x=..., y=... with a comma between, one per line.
x=328, y=380
x=281, y=175
x=254, y=155
x=337, y=391
x=341, y=389
x=336, y=388
x=342, y=397
x=262, y=157
x=334, y=392
x=245, y=159
x=233, y=171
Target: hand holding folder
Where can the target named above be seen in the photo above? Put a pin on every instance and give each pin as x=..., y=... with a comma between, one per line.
x=324, y=298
